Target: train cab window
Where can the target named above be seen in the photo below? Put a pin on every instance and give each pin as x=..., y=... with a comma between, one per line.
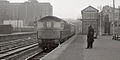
x=49, y=24
x=40, y=25
x=57, y=25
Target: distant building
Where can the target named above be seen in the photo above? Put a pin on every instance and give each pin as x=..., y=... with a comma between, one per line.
x=107, y=24
x=77, y=23
x=14, y=23
x=3, y=10
x=27, y=11
x=108, y=10
x=90, y=16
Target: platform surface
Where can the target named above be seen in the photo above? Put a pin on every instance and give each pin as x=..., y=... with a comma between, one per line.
x=74, y=49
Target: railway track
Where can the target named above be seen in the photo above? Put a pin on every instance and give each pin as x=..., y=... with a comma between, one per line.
x=21, y=53
x=15, y=44
x=14, y=36
x=39, y=55
x=20, y=49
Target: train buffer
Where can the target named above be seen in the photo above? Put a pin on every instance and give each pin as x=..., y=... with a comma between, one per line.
x=74, y=49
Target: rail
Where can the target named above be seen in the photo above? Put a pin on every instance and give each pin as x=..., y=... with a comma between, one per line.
x=6, y=54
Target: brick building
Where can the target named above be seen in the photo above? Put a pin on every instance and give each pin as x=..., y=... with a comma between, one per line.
x=90, y=16
x=107, y=12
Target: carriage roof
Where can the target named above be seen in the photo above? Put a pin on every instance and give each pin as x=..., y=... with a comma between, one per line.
x=50, y=18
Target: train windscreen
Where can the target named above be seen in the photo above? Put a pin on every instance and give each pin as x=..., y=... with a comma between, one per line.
x=49, y=24
x=58, y=25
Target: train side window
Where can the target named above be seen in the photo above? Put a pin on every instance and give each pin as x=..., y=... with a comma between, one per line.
x=40, y=25
x=49, y=24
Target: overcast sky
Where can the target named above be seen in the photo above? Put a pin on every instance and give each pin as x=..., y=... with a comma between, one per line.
x=72, y=8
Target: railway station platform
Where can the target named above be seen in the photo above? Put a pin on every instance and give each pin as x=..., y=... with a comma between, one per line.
x=104, y=48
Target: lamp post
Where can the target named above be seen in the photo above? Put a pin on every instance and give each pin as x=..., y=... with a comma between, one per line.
x=100, y=24
x=113, y=17
x=119, y=12
x=100, y=20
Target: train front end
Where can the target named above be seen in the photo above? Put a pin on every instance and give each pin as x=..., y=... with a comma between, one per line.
x=49, y=32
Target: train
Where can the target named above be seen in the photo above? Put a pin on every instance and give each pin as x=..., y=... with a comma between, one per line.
x=52, y=31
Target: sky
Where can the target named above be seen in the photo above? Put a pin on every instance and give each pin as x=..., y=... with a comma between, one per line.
x=72, y=8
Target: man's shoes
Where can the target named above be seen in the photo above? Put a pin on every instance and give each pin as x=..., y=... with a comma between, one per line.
x=86, y=48
x=90, y=47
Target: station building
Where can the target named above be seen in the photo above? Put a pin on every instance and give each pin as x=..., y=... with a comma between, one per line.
x=90, y=16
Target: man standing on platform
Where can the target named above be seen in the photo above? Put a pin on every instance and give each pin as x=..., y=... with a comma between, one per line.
x=90, y=37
